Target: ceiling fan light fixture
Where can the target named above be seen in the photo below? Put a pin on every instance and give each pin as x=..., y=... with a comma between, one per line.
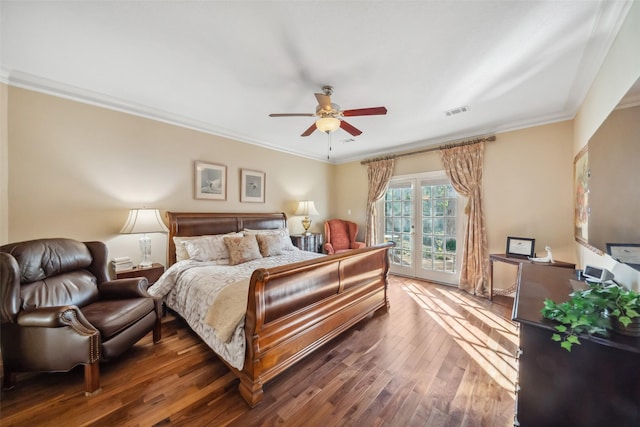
x=328, y=124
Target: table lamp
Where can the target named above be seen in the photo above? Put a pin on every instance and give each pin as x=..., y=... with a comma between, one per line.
x=144, y=221
x=306, y=208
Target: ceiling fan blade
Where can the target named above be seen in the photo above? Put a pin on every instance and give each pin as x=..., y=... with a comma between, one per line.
x=352, y=130
x=310, y=130
x=373, y=111
x=324, y=101
x=291, y=115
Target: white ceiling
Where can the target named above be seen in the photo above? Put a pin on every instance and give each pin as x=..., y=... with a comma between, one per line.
x=223, y=66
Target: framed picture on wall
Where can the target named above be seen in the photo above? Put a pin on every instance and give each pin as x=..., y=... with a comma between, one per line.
x=520, y=247
x=252, y=186
x=581, y=175
x=210, y=181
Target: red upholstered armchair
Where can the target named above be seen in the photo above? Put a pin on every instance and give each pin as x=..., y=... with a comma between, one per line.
x=59, y=309
x=340, y=236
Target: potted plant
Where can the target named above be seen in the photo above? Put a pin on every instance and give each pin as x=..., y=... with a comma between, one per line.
x=595, y=310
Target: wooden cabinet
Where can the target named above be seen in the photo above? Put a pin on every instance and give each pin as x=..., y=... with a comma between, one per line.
x=152, y=273
x=308, y=242
x=596, y=384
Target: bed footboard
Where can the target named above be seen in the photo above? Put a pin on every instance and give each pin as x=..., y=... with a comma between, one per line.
x=294, y=309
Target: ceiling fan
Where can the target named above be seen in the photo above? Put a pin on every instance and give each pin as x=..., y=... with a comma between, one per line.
x=330, y=115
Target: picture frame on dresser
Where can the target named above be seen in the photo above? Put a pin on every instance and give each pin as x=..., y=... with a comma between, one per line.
x=520, y=247
x=210, y=181
x=252, y=186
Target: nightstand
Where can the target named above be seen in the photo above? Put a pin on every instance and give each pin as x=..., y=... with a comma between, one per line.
x=312, y=242
x=152, y=273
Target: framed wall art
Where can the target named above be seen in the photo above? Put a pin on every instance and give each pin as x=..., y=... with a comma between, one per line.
x=581, y=175
x=520, y=247
x=210, y=181
x=252, y=184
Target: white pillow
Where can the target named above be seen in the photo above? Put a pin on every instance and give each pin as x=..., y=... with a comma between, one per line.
x=208, y=248
x=287, y=244
x=181, y=251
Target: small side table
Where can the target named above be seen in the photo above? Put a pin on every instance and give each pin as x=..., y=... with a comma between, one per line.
x=518, y=261
x=308, y=242
x=152, y=273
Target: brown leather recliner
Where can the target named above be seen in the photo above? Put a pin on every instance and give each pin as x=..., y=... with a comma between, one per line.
x=340, y=236
x=59, y=309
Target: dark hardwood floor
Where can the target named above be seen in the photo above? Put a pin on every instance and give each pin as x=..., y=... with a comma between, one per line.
x=440, y=357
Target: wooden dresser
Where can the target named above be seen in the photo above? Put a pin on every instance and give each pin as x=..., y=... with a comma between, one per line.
x=596, y=384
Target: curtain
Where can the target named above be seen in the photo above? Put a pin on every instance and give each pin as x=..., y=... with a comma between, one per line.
x=463, y=165
x=379, y=174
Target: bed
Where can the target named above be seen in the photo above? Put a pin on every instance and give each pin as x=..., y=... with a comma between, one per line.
x=296, y=302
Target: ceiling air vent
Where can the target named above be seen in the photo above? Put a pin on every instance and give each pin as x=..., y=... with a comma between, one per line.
x=458, y=110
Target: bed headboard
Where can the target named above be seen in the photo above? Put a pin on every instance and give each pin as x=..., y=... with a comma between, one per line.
x=199, y=223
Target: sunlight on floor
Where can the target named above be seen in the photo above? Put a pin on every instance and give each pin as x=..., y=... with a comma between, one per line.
x=486, y=349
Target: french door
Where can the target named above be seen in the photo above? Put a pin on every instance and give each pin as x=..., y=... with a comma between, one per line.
x=422, y=216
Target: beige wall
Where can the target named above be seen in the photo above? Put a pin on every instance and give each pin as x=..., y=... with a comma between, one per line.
x=527, y=186
x=4, y=166
x=76, y=169
x=528, y=174
x=619, y=72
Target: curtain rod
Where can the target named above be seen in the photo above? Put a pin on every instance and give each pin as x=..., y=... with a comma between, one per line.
x=427, y=150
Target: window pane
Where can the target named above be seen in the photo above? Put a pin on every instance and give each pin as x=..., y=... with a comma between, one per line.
x=451, y=207
x=451, y=226
x=406, y=208
x=427, y=226
x=427, y=261
x=451, y=245
x=449, y=263
x=439, y=191
x=439, y=207
x=387, y=209
x=426, y=208
x=408, y=193
x=438, y=226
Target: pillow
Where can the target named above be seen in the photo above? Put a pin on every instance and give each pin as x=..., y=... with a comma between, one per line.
x=203, y=248
x=242, y=249
x=287, y=244
x=181, y=251
x=270, y=244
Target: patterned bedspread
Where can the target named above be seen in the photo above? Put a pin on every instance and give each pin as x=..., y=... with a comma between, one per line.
x=190, y=288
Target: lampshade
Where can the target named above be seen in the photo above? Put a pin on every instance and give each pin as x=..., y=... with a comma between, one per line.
x=144, y=221
x=306, y=208
x=328, y=124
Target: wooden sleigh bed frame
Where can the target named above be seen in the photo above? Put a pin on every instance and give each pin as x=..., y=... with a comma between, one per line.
x=294, y=309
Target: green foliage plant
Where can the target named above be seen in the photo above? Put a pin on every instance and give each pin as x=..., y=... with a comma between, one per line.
x=590, y=311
